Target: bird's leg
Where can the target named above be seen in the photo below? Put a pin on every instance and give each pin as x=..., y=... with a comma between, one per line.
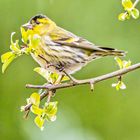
x=59, y=79
x=70, y=77
x=49, y=65
x=62, y=69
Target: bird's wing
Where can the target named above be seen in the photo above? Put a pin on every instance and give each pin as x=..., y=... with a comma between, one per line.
x=63, y=37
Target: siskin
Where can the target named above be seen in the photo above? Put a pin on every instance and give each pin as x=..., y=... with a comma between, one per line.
x=62, y=50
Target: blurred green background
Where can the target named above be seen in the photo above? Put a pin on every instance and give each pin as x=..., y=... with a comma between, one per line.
x=105, y=114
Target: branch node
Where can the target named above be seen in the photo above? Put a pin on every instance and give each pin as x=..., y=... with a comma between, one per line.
x=91, y=86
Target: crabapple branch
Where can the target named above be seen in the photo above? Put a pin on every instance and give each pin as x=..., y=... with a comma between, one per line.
x=91, y=82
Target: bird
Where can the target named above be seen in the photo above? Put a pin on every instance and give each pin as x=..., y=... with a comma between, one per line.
x=60, y=50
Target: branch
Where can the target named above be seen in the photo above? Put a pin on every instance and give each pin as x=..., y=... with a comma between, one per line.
x=91, y=82
x=87, y=81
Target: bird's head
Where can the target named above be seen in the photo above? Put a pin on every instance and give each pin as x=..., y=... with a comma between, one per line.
x=40, y=24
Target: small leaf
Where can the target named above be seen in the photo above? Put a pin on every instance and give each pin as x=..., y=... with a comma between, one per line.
x=120, y=62
x=24, y=35
x=43, y=72
x=65, y=78
x=126, y=64
x=22, y=108
x=51, y=108
x=53, y=77
x=119, y=85
x=35, y=99
x=14, y=48
x=122, y=85
x=135, y=13
x=12, y=34
x=127, y=4
x=6, y=56
x=123, y=16
x=51, y=118
x=114, y=84
x=7, y=61
x=28, y=100
x=16, y=43
x=39, y=122
x=36, y=110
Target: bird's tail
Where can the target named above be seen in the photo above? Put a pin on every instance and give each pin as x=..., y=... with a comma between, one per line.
x=110, y=52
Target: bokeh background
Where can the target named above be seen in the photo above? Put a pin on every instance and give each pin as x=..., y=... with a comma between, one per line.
x=106, y=114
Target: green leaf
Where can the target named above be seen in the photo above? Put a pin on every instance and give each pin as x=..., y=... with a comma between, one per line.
x=24, y=35
x=122, y=85
x=65, y=78
x=6, y=56
x=120, y=62
x=36, y=110
x=15, y=45
x=126, y=64
x=12, y=34
x=50, y=77
x=6, y=59
x=35, y=99
x=51, y=108
x=39, y=122
x=53, y=77
x=127, y=4
x=50, y=111
x=123, y=16
x=119, y=85
x=51, y=118
x=22, y=108
x=43, y=72
x=135, y=13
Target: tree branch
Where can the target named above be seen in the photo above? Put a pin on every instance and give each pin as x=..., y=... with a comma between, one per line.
x=87, y=81
x=91, y=82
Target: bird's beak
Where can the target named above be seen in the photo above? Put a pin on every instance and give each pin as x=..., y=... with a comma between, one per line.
x=27, y=26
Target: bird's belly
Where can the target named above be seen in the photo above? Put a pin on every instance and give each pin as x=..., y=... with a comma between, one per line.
x=69, y=67
x=70, y=59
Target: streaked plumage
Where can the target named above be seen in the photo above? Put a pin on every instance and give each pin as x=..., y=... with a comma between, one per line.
x=62, y=49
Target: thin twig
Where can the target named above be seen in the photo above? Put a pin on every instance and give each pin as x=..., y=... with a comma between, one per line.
x=50, y=93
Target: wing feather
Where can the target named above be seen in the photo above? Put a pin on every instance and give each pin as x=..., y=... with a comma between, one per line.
x=63, y=37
